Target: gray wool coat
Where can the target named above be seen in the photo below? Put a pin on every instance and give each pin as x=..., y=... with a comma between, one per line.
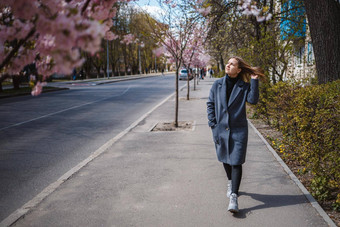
x=229, y=122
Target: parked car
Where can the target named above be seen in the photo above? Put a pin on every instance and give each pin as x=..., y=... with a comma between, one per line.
x=184, y=74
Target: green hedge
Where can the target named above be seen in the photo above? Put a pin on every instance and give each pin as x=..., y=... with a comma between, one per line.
x=309, y=119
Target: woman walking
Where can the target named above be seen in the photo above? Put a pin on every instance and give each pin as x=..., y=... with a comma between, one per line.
x=226, y=109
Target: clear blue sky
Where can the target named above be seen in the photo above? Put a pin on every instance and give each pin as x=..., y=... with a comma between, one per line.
x=147, y=2
x=151, y=6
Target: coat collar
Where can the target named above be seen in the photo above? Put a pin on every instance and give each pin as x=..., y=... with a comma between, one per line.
x=235, y=92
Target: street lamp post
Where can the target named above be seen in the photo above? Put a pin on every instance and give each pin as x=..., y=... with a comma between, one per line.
x=107, y=57
x=140, y=64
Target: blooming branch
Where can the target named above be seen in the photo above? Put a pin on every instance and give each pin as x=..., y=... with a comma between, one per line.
x=51, y=33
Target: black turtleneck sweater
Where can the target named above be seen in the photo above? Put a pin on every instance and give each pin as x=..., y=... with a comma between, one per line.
x=230, y=82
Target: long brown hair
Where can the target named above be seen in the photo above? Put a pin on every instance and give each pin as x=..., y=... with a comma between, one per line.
x=247, y=70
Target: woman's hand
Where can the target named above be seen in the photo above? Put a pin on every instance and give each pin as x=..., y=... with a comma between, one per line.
x=253, y=76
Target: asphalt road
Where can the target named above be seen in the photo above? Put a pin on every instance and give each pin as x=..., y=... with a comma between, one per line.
x=43, y=137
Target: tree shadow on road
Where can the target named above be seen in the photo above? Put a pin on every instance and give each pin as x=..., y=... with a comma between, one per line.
x=269, y=201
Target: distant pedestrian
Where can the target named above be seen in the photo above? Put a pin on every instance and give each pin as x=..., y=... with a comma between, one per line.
x=81, y=74
x=211, y=72
x=162, y=72
x=74, y=74
x=228, y=121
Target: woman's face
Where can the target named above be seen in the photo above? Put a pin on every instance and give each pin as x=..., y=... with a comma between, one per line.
x=231, y=68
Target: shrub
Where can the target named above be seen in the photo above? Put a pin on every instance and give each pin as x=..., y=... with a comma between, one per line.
x=219, y=74
x=309, y=119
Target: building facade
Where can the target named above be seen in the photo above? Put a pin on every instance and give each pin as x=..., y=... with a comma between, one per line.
x=301, y=63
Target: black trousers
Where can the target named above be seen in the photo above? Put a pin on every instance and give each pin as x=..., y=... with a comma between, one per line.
x=234, y=173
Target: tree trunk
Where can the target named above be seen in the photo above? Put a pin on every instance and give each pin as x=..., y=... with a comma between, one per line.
x=98, y=71
x=274, y=78
x=2, y=79
x=221, y=63
x=118, y=68
x=188, y=87
x=176, y=108
x=324, y=22
x=194, y=81
x=125, y=60
x=16, y=82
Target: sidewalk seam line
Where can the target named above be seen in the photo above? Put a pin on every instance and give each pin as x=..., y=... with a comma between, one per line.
x=292, y=176
x=26, y=208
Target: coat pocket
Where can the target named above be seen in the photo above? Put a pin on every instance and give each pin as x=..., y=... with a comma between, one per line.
x=215, y=134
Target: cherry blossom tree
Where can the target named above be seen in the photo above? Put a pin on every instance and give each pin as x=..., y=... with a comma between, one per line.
x=179, y=36
x=51, y=34
x=195, y=54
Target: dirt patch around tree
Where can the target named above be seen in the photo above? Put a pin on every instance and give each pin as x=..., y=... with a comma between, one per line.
x=170, y=126
x=274, y=137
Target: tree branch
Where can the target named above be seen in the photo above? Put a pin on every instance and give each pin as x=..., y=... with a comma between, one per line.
x=16, y=48
x=85, y=6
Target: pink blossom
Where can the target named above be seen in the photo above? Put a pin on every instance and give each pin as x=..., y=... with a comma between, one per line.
x=247, y=7
x=204, y=11
x=32, y=78
x=247, y=12
x=260, y=18
x=188, y=47
x=269, y=16
x=48, y=41
x=204, y=58
x=254, y=10
x=129, y=38
x=110, y=36
x=159, y=51
x=56, y=39
x=38, y=88
x=26, y=9
x=109, y=23
x=112, y=13
x=100, y=13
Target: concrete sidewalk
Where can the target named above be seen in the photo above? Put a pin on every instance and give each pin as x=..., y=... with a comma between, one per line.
x=174, y=179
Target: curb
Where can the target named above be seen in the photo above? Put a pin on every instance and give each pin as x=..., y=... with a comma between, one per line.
x=99, y=83
x=29, y=93
x=292, y=176
x=116, y=78
x=125, y=79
